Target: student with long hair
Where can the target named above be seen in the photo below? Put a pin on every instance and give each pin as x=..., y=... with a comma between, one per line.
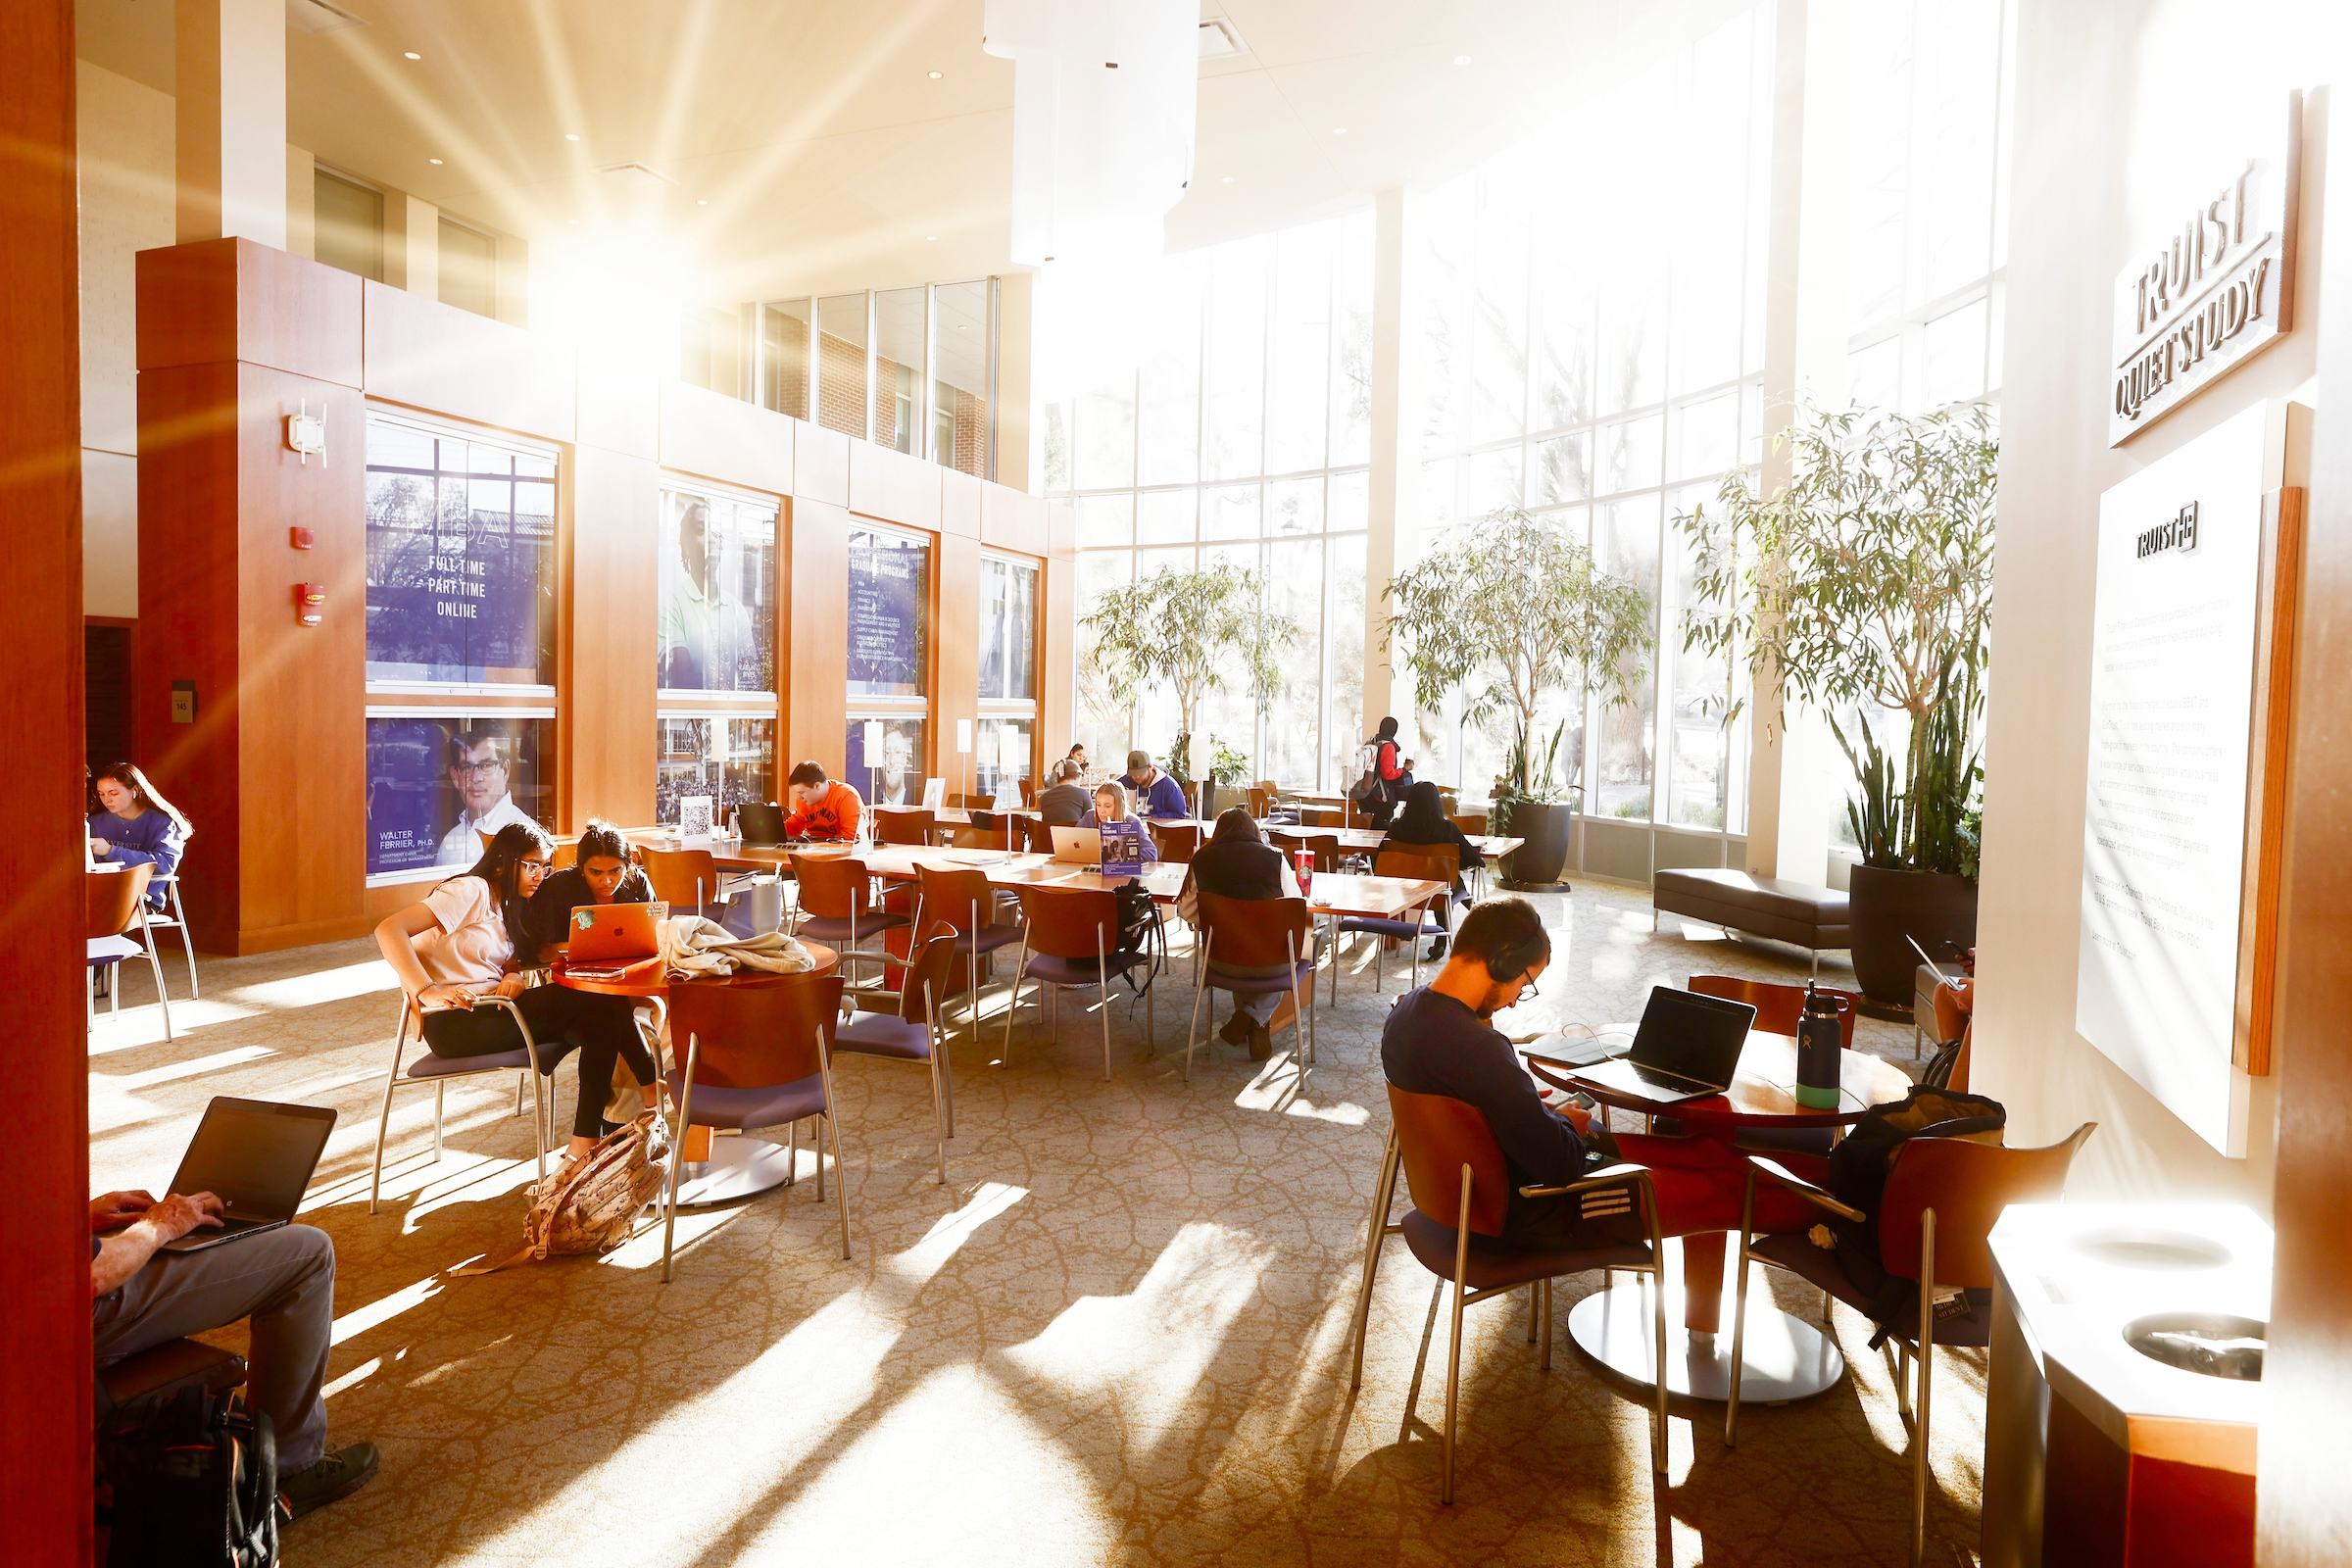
x=1237, y=862
x=602, y=871
x=134, y=825
x=456, y=945
x=1111, y=805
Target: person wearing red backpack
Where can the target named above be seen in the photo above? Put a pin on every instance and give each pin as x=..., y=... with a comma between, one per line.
x=1380, y=788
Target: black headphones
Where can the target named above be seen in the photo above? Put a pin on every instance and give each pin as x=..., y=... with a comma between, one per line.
x=1512, y=959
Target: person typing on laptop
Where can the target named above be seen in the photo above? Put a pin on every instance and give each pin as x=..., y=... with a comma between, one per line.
x=1440, y=1040
x=601, y=873
x=283, y=1280
x=821, y=807
x=1111, y=805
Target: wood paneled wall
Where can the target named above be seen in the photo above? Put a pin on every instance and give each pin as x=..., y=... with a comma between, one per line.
x=46, y=1323
x=232, y=336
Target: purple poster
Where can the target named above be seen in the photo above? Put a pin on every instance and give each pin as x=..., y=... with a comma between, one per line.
x=436, y=785
x=891, y=774
x=889, y=590
x=461, y=560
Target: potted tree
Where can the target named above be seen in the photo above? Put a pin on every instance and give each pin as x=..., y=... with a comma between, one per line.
x=1866, y=583
x=1196, y=630
x=1510, y=608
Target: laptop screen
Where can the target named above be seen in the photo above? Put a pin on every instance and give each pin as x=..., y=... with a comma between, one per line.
x=1692, y=1036
x=256, y=1155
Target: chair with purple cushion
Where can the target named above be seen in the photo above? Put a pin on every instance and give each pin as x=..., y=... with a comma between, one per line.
x=965, y=901
x=1255, y=934
x=904, y=1024
x=527, y=1061
x=1461, y=1191
x=837, y=906
x=759, y=1053
x=1423, y=919
x=1068, y=938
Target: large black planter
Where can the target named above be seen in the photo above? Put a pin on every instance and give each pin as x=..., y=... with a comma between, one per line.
x=1931, y=907
x=1545, y=825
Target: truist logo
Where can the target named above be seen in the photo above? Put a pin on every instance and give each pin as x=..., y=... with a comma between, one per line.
x=2178, y=532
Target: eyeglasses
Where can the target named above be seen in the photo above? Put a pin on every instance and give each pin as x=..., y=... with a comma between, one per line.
x=1528, y=991
x=529, y=864
x=486, y=766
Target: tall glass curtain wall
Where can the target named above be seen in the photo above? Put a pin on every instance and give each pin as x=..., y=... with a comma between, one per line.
x=460, y=642
x=1231, y=424
x=1594, y=339
x=1926, y=273
x=908, y=369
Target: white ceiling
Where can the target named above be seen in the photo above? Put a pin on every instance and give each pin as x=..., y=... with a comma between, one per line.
x=828, y=157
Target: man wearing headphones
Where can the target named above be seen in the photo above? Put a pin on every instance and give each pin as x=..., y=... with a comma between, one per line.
x=1438, y=1041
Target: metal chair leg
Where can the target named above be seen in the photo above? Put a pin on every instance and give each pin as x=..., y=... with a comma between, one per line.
x=1376, y=1233
x=1453, y=1339
x=1012, y=997
x=1922, y=1464
x=179, y=913
x=440, y=1104
x=1191, y=1029
x=678, y=1156
x=939, y=1104
x=1747, y=1224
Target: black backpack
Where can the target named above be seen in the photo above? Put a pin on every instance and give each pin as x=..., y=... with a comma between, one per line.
x=1139, y=919
x=1858, y=1176
x=195, y=1484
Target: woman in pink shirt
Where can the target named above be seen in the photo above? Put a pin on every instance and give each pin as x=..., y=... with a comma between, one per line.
x=461, y=941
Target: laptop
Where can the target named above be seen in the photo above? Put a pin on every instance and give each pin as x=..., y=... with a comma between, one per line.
x=1566, y=1051
x=762, y=821
x=613, y=933
x=1688, y=1048
x=1080, y=846
x=257, y=1157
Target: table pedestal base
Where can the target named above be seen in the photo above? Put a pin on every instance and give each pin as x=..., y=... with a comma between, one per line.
x=738, y=1167
x=1786, y=1357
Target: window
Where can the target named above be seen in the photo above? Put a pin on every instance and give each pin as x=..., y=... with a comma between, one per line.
x=461, y=558
x=468, y=269
x=890, y=613
x=1234, y=424
x=841, y=364
x=884, y=759
x=436, y=781
x=899, y=342
x=1007, y=630
x=730, y=757
x=717, y=585
x=963, y=397
x=1001, y=761
x=783, y=379
x=348, y=225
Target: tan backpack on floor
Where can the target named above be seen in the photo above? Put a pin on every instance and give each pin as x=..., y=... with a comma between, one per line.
x=590, y=1204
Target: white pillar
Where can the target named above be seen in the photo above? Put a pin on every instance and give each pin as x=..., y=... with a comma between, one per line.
x=412, y=244
x=229, y=120
x=1396, y=479
x=1793, y=763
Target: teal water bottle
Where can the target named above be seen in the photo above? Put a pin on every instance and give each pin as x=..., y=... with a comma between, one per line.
x=1820, y=1037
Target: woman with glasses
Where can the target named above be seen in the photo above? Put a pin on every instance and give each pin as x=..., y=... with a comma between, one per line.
x=461, y=941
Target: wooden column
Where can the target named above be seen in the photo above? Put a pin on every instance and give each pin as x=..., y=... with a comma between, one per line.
x=817, y=679
x=235, y=336
x=956, y=668
x=2304, y=1511
x=45, y=1325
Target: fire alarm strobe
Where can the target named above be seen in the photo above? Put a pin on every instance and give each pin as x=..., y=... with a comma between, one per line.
x=309, y=598
x=306, y=433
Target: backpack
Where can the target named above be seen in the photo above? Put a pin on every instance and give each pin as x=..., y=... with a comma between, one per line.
x=1858, y=1176
x=1139, y=919
x=590, y=1204
x=1370, y=789
x=195, y=1484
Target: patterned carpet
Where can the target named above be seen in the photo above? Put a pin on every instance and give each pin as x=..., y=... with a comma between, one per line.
x=1117, y=1335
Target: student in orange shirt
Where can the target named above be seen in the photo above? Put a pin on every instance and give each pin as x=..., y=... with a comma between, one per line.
x=822, y=808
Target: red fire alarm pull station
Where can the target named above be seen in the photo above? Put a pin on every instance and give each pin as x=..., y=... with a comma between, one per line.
x=303, y=538
x=309, y=598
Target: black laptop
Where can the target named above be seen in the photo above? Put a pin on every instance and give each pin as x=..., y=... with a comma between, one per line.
x=256, y=1157
x=1688, y=1048
x=762, y=821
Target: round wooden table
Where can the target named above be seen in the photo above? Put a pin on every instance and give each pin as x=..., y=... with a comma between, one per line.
x=718, y=1170
x=1782, y=1358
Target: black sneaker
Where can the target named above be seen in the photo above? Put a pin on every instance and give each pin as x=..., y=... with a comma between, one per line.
x=335, y=1476
x=1437, y=950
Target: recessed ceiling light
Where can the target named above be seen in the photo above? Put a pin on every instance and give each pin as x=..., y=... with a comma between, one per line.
x=573, y=222
x=1461, y=59
x=1228, y=179
x=568, y=136
x=936, y=75
x=413, y=55
x=932, y=239
x=1339, y=130
x=698, y=202
x=432, y=160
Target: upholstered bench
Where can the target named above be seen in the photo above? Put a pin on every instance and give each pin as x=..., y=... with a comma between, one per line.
x=1795, y=912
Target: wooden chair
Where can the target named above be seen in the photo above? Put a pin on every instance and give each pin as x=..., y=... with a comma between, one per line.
x=836, y=904
x=966, y=899
x=1779, y=1007
x=1256, y=934
x=684, y=879
x=1473, y=827
x=1460, y=1191
x=1261, y=802
x=1410, y=924
x=760, y=1053
x=565, y=856
x=527, y=1061
x=1324, y=847
x=1936, y=1218
x=1067, y=939
x=972, y=803
x=904, y=1027
x=113, y=902
x=911, y=826
x=1177, y=841
x=1038, y=833
x=1028, y=792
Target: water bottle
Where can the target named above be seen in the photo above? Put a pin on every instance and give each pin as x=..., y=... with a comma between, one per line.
x=1820, y=1037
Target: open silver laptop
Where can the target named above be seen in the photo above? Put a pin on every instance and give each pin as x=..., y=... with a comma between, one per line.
x=257, y=1156
x=1080, y=846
